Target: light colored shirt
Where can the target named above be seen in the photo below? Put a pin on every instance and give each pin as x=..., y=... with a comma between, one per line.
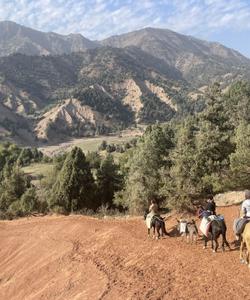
x=153, y=208
x=245, y=208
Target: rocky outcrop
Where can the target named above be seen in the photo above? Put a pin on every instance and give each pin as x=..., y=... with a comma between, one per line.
x=161, y=94
x=133, y=94
x=67, y=116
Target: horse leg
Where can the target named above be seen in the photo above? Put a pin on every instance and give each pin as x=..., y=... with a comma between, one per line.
x=224, y=239
x=247, y=258
x=191, y=237
x=216, y=244
x=164, y=229
x=195, y=239
x=242, y=246
x=212, y=242
x=205, y=242
x=223, y=242
x=158, y=231
x=148, y=232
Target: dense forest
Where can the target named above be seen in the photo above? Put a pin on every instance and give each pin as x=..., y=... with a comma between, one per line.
x=178, y=163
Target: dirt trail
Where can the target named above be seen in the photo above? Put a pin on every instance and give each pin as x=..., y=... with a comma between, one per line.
x=82, y=258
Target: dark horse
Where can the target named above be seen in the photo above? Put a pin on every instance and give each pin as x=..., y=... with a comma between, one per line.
x=158, y=224
x=217, y=228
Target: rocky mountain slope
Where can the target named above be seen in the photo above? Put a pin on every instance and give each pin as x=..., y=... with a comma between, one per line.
x=51, y=83
x=15, y=125
x=15, y=38
x=115, y=84
x=198, y=61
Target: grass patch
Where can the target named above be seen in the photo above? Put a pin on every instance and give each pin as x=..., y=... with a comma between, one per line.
x=92, y=144
x=38, y=170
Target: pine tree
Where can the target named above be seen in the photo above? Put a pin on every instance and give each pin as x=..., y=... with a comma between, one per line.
x=213, y=142
x=13, y=186
x=142, y=180
x=74, y=188
x=240, y=159
x=180, y=180
x=108, y=181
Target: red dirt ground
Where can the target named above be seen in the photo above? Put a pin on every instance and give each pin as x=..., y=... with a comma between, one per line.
x=82, y=258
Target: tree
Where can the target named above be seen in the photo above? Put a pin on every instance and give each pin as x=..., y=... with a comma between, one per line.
x=108, y=180
x=29, y=201
x=13, y=186
x=94, y=159
x=180, y=178
x=25, y=157
x=240, y=159
x=213, y=142
x=237, y=102
x=142, y=180
x=74, y=188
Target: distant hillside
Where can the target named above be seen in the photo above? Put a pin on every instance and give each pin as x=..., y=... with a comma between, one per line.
x=141, y=77
x=15, y=127
x=15, y=38
x=114, y=83
x=199, y=61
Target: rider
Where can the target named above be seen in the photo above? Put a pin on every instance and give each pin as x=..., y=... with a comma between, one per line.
x=152, y=211
x=153, y=208
x=239, y=223
x=245, y=207
x=211, y=206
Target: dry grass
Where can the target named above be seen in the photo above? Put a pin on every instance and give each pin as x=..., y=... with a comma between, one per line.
x=90, y=144
x=38, y=169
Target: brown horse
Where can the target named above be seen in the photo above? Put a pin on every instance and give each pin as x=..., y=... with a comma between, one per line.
x=245, y=245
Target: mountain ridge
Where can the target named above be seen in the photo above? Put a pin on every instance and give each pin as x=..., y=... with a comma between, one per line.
x=15, y=38
x=140, y=77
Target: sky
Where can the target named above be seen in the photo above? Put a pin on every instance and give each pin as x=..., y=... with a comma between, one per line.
x=224, y=21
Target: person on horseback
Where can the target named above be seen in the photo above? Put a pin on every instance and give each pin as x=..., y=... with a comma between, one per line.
x=152, y=211
x=211, y=206
x=245, y=207
x=153, y=219
x=153, y=208
x=240, y=223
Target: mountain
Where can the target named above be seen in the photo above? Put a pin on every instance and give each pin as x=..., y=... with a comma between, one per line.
x=81, y=88
x=15, y=38
x=117, y=87
x=200, y=62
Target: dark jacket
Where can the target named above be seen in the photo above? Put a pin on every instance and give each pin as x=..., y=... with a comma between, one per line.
x=211, y=206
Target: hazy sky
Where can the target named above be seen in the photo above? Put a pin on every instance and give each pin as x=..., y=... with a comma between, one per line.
x=225, y=21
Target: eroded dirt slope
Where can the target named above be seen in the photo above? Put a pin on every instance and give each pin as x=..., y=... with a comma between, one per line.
x=79, y=257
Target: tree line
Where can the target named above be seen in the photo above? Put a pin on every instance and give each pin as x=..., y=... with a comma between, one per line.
x=178, y=163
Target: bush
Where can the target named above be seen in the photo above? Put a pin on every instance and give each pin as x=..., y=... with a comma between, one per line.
x=29, y=201
x=15, y=210
x=59, y=210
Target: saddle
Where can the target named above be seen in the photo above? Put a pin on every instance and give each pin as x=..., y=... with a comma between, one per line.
x=158, y=218
x=239, y=225
x=218, y=218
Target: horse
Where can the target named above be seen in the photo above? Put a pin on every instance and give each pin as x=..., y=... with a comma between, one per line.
x=217, y=228
x=245, y=243
x=158, y=225
x=190, y=230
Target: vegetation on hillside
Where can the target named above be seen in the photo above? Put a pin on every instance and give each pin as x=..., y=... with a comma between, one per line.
x=178, y=163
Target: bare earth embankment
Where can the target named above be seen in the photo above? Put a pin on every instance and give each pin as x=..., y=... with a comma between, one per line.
x=82, y=258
